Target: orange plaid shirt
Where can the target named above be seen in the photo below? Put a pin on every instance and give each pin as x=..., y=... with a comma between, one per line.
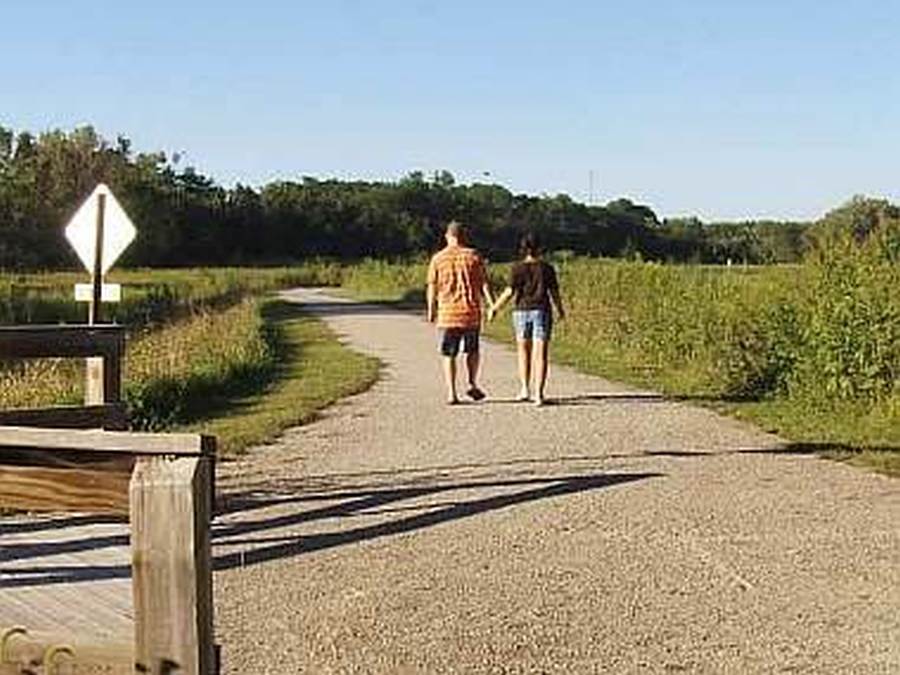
x=458, y=275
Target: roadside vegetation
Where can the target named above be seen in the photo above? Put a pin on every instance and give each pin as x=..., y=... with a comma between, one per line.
x=811, y=351
x=206, y=350
x=310, y=370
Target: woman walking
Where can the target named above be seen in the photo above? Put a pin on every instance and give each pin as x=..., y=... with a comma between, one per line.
x=534, y=286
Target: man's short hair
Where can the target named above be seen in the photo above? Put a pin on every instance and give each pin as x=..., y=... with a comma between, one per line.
x=456, y=229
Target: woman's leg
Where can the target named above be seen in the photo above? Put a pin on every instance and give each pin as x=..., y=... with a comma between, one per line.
x=541, y=347
x=524, y=351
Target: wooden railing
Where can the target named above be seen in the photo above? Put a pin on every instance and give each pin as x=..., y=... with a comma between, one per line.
x=165, y=484
x=105, y=345
x=78, y=459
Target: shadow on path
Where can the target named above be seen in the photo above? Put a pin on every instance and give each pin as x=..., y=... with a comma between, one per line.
x=820, y=448
x=366, y=502
x=538, y=488
x=21, y=526
x=340, y=495
x=610, y=397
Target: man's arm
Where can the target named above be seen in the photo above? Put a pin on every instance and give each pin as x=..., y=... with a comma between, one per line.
x=431, y=292
x=488, y=296
x=431, y=299
x=502, y=300
x=486, y=287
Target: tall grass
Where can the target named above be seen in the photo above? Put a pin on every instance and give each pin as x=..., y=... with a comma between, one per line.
x=150, y=296
x=196, y=338
x=811, y=350
x=188, y=369
x=382, y=280
x=173, y=374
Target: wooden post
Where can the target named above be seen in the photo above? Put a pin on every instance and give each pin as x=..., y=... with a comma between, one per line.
x=93, y=381
x=171, y=511
x=94, y=367
x=97, y=272
x=103, y=383
x=112, y=372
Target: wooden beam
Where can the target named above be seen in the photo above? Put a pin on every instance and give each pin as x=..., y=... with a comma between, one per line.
x=103, y=382
x=42, y=489
x=75, y=470
x=171, y=513
x=52, y=440
x=111, y=417
x=23, y=342
x=115, y=462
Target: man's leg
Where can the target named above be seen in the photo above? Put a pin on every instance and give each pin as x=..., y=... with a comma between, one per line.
x=449, y=339
x=473, y=362
x=449, y=363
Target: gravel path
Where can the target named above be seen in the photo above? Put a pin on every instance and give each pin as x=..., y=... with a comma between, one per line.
x=610, y=532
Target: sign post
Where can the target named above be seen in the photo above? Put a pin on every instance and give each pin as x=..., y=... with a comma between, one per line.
x=97, y=272
x=99, y=232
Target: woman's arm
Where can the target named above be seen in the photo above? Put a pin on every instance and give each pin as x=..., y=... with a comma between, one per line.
x=552, y=282
x=557, y=300
x=502, y=300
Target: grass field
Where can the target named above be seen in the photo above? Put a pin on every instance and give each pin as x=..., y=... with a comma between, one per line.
x=797, y=350
x=205, y=350
x=811, y=352
x=150, y=296
x=312, y=371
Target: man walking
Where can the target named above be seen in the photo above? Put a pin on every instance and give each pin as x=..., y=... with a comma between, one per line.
x=457, y=286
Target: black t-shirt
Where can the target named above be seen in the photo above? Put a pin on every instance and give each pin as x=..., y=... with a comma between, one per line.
x=531, y=283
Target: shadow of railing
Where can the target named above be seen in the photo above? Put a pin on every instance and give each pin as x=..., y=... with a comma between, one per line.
x=387, y=501
x=429, y=493
x=536, y=489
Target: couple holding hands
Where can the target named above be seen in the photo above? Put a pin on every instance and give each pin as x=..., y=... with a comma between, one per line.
x=458, y=286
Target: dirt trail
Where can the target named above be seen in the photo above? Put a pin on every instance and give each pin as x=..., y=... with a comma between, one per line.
x=611, y=532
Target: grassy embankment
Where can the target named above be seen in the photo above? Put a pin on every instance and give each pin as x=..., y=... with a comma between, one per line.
x=206, y=351
x=811, y=352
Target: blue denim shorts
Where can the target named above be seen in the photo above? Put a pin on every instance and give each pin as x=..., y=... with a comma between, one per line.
x=533, y=324
x=450, y=339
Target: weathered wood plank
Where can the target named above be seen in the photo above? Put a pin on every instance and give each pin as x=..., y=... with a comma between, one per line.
x=21, y=342
x=111, y=417
x=112, y=378
x=94, y=381
x=106, y=441
x=172, y=580
x=28, y=650
x=66, y=459
x=63, y=489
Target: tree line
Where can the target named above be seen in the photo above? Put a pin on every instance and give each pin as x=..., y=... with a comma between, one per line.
x=186, y=218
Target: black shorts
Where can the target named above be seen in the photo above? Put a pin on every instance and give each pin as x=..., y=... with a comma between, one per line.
x=450, y=339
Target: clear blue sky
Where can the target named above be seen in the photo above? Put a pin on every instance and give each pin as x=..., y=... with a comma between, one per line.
x=716, y=108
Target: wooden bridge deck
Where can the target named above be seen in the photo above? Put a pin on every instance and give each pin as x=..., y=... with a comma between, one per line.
x=68, y=576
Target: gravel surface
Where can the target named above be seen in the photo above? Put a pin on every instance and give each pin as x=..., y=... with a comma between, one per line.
x=611, y=531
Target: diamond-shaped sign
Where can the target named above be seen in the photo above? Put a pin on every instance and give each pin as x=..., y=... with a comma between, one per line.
x=118, y=230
